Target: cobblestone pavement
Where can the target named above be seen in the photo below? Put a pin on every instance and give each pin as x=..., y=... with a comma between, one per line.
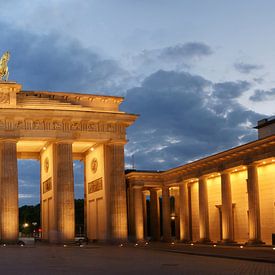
x=104, y=259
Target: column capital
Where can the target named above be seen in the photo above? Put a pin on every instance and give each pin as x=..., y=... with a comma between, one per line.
x=252, y=164
x=155, y=188
x=226, y=171
x=63, y=141
x=184, y=182
x=116, y=142
x=137, y=186
x=202, y=177
x=9, y=140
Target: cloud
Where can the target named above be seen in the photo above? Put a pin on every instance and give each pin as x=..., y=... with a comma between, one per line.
x=246, y=68
x=188, y=50
x=263, y=95
x=54, y=62
x=230, y=89
x=28, y=196
x=183, y=118
x=177, y=57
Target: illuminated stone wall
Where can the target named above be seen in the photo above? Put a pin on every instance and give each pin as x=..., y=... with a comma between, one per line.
x=240, y=199
x=95, y=194
x=214, y=200
x=266, y=174
x=48, y=219
x=195, y=212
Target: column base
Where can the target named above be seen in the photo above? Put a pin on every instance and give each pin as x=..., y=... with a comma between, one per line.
x=255, y=242
x=227, y=242
x=204, y=241
x=167, y=240
x=185, y=241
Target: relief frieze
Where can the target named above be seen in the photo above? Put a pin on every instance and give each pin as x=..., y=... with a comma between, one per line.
x=81, y=126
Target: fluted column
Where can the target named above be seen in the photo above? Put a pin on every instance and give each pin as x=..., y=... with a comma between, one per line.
x=184, y=213
x=253, y=205
x=115, y=192
x=138, y=206
x=63, y=165
x=154, y=215
x=203, y=211
x=131, y=213
x=177, y=214
x=166, y=216
x=144, y=214
x=227, y=217
x=9, y=191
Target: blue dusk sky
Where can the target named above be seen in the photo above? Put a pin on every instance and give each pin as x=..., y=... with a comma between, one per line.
x=199, y=73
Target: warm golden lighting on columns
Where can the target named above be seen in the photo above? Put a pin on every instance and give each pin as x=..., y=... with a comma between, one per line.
x=203, y=210
x=253, y=204
x=166, y=219
x=227, y=217
x=65, y=191
x=138, y=208
x=154, y=215
x=116, y=194
x=184, y=213
x=144, y=202
x=9, y=191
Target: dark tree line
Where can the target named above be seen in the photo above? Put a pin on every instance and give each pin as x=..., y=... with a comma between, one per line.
x=30, y=220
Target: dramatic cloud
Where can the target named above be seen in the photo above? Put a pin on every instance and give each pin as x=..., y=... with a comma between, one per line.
x=52, y=62
x=262, y=95
x=178, y=57
x=246, y=68
x=182, y=120
x=230, y=89
x=188, y=50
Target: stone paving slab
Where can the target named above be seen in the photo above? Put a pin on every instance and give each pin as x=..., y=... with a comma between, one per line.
x=115, y=259
x=241, y=252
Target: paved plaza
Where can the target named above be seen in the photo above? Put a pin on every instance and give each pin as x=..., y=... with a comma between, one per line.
x=105, y=259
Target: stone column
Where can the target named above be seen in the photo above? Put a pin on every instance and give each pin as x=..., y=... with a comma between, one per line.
x=177, y=214
x=9, y=191
x=138, y=207
x=154, y=215
x=166, y=215
x=253, y=205
x=227, y=217
x=203, y=211
x=144, y=214
x=184, y=213
x=115, y=192
x=131, y=213
x=64, y=180
x=85, y=201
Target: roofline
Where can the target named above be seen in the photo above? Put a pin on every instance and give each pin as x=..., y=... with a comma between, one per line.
x=264, y=122
x=211, y=157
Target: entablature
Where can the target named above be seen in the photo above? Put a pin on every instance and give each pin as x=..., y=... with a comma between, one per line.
x=243, y=155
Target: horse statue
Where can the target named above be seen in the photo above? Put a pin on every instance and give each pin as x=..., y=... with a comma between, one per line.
x=4, y=70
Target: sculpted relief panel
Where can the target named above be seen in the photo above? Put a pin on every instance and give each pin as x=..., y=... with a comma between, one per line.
x=4, y=98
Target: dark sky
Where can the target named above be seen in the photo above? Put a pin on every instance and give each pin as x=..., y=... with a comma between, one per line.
x=199, y=73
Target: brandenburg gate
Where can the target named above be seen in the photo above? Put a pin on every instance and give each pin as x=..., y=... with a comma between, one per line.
x=57, y=128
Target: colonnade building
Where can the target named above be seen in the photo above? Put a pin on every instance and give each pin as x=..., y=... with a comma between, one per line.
x=228, y=197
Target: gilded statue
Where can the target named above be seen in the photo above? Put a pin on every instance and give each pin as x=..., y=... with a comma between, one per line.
x=4, y=71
